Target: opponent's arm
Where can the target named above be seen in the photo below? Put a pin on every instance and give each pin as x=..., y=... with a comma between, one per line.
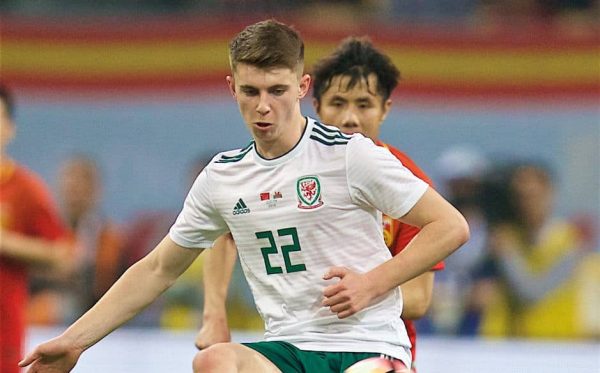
x=137, y=288
x=35, y=251
x=443, y=230
x=418, y=292
x=218, y=267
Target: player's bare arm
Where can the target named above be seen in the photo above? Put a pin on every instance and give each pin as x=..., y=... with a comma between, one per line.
x=218, y=268
x=443, y=230
x=138, y=287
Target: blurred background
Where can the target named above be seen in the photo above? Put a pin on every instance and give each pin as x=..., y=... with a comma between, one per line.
x=119, y=104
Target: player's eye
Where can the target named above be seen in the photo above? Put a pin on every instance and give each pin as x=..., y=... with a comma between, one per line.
x=249, y=91
x=278, y=91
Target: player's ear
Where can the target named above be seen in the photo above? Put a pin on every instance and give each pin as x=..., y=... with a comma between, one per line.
x=231, y=84
x=386, y=108
x=304, y=85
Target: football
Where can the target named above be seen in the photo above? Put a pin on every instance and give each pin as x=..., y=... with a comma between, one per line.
x=372, y=365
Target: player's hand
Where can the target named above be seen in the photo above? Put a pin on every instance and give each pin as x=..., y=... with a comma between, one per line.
x=55, y=356
x=349, y=295
x=214, y=330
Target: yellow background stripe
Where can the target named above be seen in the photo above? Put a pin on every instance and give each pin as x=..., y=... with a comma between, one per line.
x=205, y=58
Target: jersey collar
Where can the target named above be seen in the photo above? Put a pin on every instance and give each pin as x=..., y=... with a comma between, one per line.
x=292, y=152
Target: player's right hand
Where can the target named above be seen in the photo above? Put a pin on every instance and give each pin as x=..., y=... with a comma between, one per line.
x=213, y=331
x=54, y=356
x=351, y=294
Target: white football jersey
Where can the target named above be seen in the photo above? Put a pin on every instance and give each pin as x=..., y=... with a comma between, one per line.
x=296, y=216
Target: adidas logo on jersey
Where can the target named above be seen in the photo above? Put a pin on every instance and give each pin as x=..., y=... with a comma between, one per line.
x=240, y=208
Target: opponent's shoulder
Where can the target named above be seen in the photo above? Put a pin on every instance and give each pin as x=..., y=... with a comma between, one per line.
x=31, y=186
x=402, y=156
x=407, y=162
x=28, y=180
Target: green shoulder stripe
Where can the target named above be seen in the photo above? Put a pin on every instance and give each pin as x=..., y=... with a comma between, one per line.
x=332, y=131
x=328, y=142
x=237, y=157
x=332, y=136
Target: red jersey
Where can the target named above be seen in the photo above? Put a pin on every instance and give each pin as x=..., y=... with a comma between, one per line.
x=25, y=208
x=397, y=234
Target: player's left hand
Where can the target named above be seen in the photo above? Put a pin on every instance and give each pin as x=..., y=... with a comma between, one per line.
x=55, y=356
x=349, y=295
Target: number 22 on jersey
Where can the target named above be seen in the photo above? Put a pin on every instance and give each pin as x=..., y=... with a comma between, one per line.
x=273, y=249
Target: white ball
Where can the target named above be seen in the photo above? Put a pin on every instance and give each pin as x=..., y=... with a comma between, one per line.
x=372, y=365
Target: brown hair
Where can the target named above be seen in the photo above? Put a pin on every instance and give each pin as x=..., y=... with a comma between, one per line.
x=267, y=44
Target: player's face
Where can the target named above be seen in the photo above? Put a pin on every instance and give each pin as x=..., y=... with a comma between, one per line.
x=357, y=109
x=7, y=127
x=269, y=101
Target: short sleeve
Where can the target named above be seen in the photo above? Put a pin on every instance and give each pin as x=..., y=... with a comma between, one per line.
x=378, y=179
x=199, y=224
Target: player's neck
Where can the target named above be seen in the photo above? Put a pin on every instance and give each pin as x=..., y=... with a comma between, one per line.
x=284, y=143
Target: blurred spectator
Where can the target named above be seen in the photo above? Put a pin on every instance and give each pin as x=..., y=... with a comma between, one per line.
x=97, y=239
x=461, y=170
x=539, y=266
x=180, y=307
x=31, y=239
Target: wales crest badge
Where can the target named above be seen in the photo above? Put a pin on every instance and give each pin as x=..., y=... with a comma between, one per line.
x=308, y=189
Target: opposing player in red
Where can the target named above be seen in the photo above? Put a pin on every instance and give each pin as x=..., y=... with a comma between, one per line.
x=352, y=89
x=31, y=238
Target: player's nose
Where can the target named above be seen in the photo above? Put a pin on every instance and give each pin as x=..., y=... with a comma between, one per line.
x=263, y=107
x=350, y=122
